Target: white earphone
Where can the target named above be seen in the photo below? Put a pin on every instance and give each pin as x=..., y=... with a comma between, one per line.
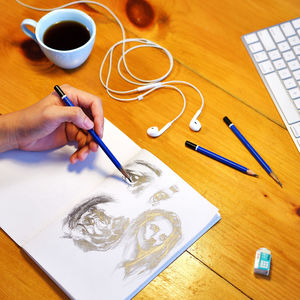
x=154, y=132
x=195, y=125
x=146, y=86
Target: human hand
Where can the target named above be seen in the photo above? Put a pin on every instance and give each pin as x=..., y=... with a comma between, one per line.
x=49, y=123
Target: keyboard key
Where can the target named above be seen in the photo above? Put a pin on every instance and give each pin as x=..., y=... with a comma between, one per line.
x=289, y=83
x=274, y=54
x=287, y=29
x=256, y=47
x=266, y=40
x=266, y=67
x=294, y=40
x=297, y=74
x=287, y=108
x=296, y=23
x=279, y=64
x=251, y=38
x=294, y=65
x=285, y=73
x=284, y=46
x=296, y=129
x=297, y=49
x=260, y=56
x=294, y=93
x=289, y=55
x=277, y=34
x=297, y=103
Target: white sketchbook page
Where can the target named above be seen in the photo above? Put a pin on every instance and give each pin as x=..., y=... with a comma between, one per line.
x=113, y=242
x=36, y=186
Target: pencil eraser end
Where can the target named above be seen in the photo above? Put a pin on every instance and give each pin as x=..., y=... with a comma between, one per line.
x=190, y=145
x=227, y=121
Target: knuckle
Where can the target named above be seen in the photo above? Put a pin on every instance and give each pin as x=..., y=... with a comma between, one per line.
x=47, y=114
x=66, y=86
x=76, y=112
x=98, y=99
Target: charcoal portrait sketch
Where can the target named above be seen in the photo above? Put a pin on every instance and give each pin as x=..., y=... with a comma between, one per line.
x=142, y=175
x=163, y=194
x=91, y=228
x=94, y=234
x=146, y=237
x=149, y=239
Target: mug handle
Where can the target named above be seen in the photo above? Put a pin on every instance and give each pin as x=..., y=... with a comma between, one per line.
x=26, y=30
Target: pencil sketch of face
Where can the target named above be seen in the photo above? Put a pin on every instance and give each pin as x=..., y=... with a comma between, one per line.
x=91, y=228
x=163, y=194
x=149, y=238
x=142, y=175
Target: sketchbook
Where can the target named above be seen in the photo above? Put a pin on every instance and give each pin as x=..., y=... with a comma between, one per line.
x=94, y=234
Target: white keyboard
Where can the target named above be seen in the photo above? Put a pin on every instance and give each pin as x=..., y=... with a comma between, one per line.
x=275, y=51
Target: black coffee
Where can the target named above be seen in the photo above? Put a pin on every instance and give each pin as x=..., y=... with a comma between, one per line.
x=66, y=35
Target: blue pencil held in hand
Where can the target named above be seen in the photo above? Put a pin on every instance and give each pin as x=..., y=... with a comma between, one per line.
x=95, y=136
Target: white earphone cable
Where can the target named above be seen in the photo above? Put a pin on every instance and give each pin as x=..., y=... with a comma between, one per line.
x=145, y=85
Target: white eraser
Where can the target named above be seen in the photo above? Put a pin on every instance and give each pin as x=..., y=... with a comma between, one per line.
x=262, y=262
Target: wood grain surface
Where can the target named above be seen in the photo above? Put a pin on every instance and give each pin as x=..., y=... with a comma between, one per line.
x=204, y=38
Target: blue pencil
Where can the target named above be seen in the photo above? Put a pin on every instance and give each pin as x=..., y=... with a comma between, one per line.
x=251, y=150
x=219, y=158
x=95, y=136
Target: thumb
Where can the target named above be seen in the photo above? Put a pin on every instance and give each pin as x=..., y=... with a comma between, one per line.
x=74, y=114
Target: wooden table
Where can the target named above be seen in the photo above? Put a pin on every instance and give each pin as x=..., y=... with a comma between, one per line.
x=205, y=40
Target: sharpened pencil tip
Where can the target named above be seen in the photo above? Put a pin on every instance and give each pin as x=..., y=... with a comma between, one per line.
x=250, y=172
x=275, y=178
x=125, y=174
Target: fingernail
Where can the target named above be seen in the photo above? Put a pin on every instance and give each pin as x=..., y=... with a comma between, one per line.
x=101, y=132
x=74, y=160
x=84, y=156
x=88, y=123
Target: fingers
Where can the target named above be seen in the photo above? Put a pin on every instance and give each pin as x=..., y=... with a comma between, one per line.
x=86, y=105
x=84, y=141
x=88, y=101
x=57, y=115
x=82, y=153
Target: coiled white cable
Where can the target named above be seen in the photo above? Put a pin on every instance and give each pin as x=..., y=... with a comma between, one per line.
x=144, y=85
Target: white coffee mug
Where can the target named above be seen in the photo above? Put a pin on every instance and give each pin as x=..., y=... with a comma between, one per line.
x=66, y=59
